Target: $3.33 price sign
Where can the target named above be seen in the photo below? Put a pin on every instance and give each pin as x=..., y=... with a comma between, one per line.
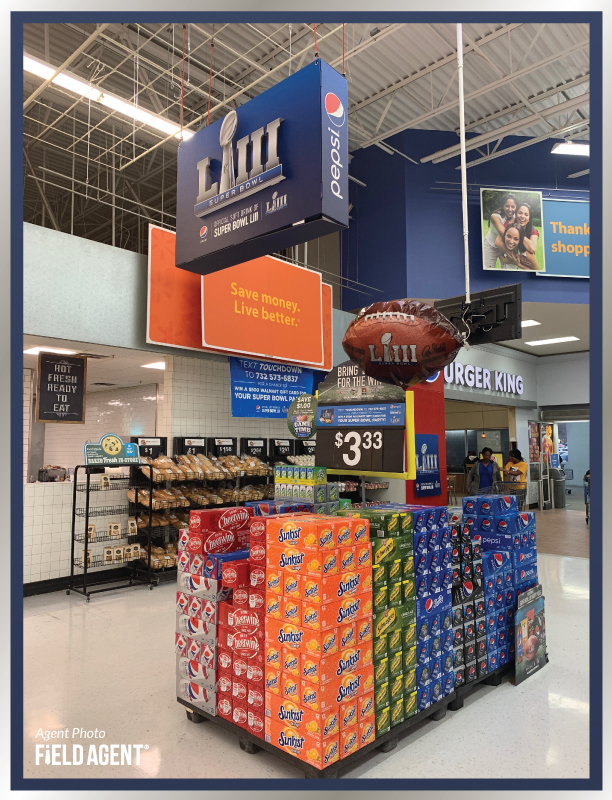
x=361, y=449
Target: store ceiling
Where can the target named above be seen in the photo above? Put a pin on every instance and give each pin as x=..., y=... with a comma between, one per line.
x=557, y=320
x=87, y=160
x=118, y=366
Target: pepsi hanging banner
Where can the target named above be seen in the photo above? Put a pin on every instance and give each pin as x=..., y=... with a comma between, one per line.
x=427, y=482
x=264, y=389
x=267, y=176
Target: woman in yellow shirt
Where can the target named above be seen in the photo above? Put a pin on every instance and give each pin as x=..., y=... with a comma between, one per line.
x=515, y=469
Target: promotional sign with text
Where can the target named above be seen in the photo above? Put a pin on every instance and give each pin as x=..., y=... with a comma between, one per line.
x=568, y=235
x=267, y=308
x=61, y=388
x=427, y=481
x=263, y=389
x=268, y=175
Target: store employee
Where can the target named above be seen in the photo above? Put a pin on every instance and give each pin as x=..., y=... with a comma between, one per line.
x=484, y=473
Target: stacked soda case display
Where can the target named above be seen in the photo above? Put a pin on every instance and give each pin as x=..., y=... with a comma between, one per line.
x=307, y=486
x=498, y=563
x=318, y=660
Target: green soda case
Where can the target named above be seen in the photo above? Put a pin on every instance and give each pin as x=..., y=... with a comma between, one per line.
x=409, y=682
x=344, y=504
x=381, y=695
x=406, y=523
x=391, y=548
x=380, y=648
x=408, y=567
x=320, y=494
x=332, y=492
x=394, y=598
x=395, y=571
x=409, y=634
x=381, y=672
x=320, y=508
x=397, y=712
x=382, y=721
x=379, y=576
x=409, y=660
x=408, y=590
x=394, y=642
x=410, y=705
x=277, y=472
x=380, y=598
x=396, y=689
x=394, y=619
x=395, y=667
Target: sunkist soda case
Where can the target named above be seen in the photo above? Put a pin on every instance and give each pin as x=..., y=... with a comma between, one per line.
x=319, y=670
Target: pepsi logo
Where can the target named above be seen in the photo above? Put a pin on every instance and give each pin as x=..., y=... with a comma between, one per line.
x=521, y=556
x=522, y=573
x=335, y=109
x=486, y=524
x=203, y=231
x=428, y=604
x=498, y=558
x=503, y=525
x=468, y=588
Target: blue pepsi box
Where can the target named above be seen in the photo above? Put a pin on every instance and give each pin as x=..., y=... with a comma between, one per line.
x=501, y=619
x=433, y=541
x=477, y=569
x=470, y=505
x=510, y=597
x=443, y=516
x=212, y=563
x=492, y=660
x=499, y=541
x=424, y=630
x=500, y=599
x=459, y=675
x=419, y=520
x=446, y=553
x=509, y=579
x=510, y=615
x=511, y=647
x=490, y=603
x=502, y=637
x=434, y=560
x=448, y=683
x=491, y=623
x=434, y=582
x=471, y=520
x=421, y=564
x=436, y=668
x=491, y=524
x=428, y=606
x=419, y=542
x=447, y=662
x=445, y=536
x=489, y=582
x=423, y=698
x=424, y=651
x=447, y=640
x=455, y=534
x=524, y=574
x=525, y=521
x=423, y=675
x=437, y=690
x=496, y=504
x=492, y=641
x=528, y=538
x=504, y=654
x=422, y=586
x=436, y=646
x=447, y=580
x=498, y=561
x=458, y=637
x=477, y=549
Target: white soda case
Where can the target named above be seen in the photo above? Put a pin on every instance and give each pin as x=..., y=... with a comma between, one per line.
x=196, y=629
x=197, y=586
x=197, y=695
x=196, y=672
x=203, y=652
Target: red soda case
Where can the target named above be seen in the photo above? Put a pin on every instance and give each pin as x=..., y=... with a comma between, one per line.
x=235, y=574
x=224, y=707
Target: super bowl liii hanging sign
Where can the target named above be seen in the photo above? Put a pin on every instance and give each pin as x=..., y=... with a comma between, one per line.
x=302, y=417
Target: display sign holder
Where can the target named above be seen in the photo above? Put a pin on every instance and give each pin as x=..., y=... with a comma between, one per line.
x=189, y=445
x=305, y=447
x=281, y=448
x=222, y=446
x=151, y=446
x=254, y=447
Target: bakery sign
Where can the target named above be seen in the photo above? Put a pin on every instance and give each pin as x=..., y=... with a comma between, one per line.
x=60, y=395
x=268, y=175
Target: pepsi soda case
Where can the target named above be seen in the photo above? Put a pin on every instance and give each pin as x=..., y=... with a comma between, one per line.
x=489, y=585
x=491, y=642
x=525, y=521
x=481, y=647
x=497, y=505
x=500, y=581
x=511, y=648
x=446, y=554
x=445, y=537
x=454, y=514
x=426, y=606
x=465, y=534
x=443, y=516
x=500, y=599
x=424, y=652
x=419, y=543
x=490, y=603
x=470, y=520
x=469, y=651
x=470, y=672
x=436, y=646
x=446, y=620
x=499, y=541
x=498, y=561
x=470, y=505
x=477, y=568
x=502, y=637
x=468, y=612
x=487, y=523
x=447, y=662
x=433, y=540
x=447, y=640
x=501, y=619
x=476, y=550
x=492, y=661
x=469, y=631
x=510, y=615
x=509, y=579
x=458, y=659
x=436, y=690
x=448, y=682
x=458, y=637
x=526, y=574
x=481, y=626
x=436, y=668
x=457, y=615
x=459, y=675
x=455, y=576
x=466, y=551
x=481, y=666
x=467, y=573
x=455, y=534
x=478, y=587
x=422, y=587
x=423, y=675
x=424, y=698
x=524, y=557
x=434, y=560
x=510, y=597
x=491, y=623
x=421, y=564
x=435, y=625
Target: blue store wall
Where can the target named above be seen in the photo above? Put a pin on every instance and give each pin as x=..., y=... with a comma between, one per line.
x=405, y=237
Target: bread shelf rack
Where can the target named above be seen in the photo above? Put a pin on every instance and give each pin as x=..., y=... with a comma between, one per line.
x=133, y=572
x=115, y=484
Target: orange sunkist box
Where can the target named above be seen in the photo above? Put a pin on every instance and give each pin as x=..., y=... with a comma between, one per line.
x=349, y=714
x=346, y=687
x=290, y=531
x=291, y=610
x=318, y=752
x=360, y=528
x=320, y=641
x=365, y=707
x=327, y=529
x=292, y=585
x=320, y=669
x=290, y=687
x=349, y=609
x=272, y=680
x=366, y=732
x=284, y=557
x=274, y=580
x=345, y=532
x=286, y=712
x=272, y=656
x=331, y=562
x=283, y=634
x=346, y=584
x=348, y=559
x=311, y=588
x=349, y=742
x=363, y=555
x=273, y=607
x=363, y=630
x=290, y=663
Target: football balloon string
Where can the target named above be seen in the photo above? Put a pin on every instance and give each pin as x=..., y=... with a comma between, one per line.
x=402, y=342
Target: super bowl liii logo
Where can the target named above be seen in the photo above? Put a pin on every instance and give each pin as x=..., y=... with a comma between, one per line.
x=256, y=166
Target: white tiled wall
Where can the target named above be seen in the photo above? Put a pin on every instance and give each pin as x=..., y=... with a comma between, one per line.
x=125, y=411
x=201, y=402
x=46, y=530
x=27, y=417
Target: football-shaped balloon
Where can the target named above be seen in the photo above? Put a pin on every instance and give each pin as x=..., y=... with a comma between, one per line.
x=401, y=341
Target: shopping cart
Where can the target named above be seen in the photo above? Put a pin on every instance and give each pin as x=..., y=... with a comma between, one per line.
x=508, y=487
x=587, y=497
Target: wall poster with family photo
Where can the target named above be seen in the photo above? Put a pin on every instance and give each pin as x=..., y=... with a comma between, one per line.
x=512, y=230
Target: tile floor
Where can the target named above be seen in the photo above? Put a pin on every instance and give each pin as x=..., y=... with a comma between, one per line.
x=110, y=665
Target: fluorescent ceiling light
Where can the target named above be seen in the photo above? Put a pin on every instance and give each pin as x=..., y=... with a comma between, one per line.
x=34, y=351
x=155, y=365
x=84, y=89
x=539, y=342
x=571, y=149
x=529, y=323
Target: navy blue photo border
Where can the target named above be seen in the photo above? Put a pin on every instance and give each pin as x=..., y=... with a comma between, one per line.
x=594, y=782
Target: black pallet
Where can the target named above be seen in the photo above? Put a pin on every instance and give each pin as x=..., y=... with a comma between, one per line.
x=385, y=743
x=490, y=679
